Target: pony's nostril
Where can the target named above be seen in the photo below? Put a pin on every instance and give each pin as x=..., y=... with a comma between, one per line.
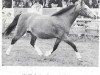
x=94, y=17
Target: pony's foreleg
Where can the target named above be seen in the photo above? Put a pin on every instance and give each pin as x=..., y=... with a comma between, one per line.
x=54, y=48
x=74, y=47
x=32, y=42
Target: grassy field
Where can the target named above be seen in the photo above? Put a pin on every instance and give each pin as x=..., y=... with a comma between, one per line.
x=23, y=54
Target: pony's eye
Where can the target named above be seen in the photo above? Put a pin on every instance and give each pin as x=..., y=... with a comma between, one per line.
x=85, y=8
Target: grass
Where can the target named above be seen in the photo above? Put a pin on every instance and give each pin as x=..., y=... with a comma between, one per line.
x=23, y=54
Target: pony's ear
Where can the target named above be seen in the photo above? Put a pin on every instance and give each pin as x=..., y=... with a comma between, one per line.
x=82, y=2
x=79, y=2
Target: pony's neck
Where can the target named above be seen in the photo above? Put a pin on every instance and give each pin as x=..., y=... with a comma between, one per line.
x=71, y=15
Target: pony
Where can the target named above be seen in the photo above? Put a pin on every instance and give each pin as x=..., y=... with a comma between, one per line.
x=56, y=26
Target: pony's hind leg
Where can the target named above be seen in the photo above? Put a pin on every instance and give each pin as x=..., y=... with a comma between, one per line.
x=20, y=32
x=12, y=43
x=32, y=42
x=65, y=39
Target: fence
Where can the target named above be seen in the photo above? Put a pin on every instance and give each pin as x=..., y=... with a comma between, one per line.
x=85, y=26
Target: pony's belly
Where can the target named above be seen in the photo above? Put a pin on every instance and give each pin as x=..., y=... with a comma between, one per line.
x=46, y=36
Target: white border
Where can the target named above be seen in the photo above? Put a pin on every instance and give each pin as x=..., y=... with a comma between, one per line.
x=50, y=71
x=23, y=70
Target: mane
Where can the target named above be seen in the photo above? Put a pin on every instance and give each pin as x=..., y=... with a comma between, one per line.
x=63, y=10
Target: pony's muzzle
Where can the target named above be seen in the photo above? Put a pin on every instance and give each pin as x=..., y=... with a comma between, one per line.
x=94, y=17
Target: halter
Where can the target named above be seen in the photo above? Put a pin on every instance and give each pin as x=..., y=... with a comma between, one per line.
x=84, y=13
x=75, y=8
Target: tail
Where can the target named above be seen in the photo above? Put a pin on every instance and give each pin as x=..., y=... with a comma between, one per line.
x=12, y=25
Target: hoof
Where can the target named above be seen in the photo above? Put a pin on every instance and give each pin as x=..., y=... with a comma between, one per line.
x=78, y=56
x=7, y=53
x=80, y=62
x=40, y=53
x=9, y=49
x=79, y=59
x=48, y=53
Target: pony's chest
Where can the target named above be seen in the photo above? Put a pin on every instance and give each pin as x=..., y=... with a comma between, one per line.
x=61, y=24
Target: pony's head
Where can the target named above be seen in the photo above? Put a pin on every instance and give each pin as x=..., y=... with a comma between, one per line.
x=84, y=10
